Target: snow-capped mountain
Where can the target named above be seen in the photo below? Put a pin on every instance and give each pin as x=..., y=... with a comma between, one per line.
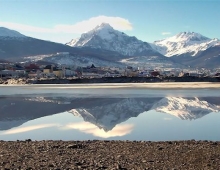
x=105, y=37
x=107, y=113
x=5, y=32
x=184, y=43
x=185, y=108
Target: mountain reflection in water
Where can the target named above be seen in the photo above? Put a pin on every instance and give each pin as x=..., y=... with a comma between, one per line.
x=104, y=113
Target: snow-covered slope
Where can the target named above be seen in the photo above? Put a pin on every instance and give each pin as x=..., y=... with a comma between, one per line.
x=150, y=62
x=105, y=37
x=75, y=60
x=82, y=61
x=189, y=43
x=5, y=32
x=186, y=109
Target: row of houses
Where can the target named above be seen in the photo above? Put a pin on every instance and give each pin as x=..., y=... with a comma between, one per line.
x=33, y=70
x=59, y=71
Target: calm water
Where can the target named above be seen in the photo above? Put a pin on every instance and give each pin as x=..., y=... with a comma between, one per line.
x=65, y=112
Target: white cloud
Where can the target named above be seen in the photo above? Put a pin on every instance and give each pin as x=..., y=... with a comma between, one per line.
x=78, y=28
x=86, y=127
x=87, y=25
x=28, y=128
x=166, y=33
x=23, y=27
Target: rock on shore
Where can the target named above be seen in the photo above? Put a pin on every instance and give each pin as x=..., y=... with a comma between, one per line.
x=18, y=81
x=109, y=155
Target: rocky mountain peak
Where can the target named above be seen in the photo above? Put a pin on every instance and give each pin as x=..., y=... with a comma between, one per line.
x=103, y=31
x=104, y=26
x=190, y=36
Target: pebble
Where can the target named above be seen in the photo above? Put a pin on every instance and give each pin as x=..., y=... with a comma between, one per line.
x=109, y=154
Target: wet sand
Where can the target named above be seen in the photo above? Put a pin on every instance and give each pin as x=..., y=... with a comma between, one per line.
x=109, y=155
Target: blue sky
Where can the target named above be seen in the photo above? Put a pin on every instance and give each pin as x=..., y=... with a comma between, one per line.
x=148, y=20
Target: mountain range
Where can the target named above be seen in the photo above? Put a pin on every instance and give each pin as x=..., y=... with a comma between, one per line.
x=105, y=113
x=104, y=46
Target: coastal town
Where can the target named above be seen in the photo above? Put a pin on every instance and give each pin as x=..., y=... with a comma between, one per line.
x=34, y=70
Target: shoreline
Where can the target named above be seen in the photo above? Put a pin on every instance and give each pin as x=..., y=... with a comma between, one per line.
x=111, y=80
x=160, y=85
x=103, y=154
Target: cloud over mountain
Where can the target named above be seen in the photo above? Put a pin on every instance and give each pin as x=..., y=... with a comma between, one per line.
x=78, y=28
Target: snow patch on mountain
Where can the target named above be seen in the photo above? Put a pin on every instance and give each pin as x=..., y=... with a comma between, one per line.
x=184, y=43
x=5, y=32
x=73, y=42
x=191, y=108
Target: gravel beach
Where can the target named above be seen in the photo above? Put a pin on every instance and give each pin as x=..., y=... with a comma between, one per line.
x=98, y=154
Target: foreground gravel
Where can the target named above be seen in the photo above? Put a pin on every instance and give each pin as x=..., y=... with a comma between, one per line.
x=109, y=155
